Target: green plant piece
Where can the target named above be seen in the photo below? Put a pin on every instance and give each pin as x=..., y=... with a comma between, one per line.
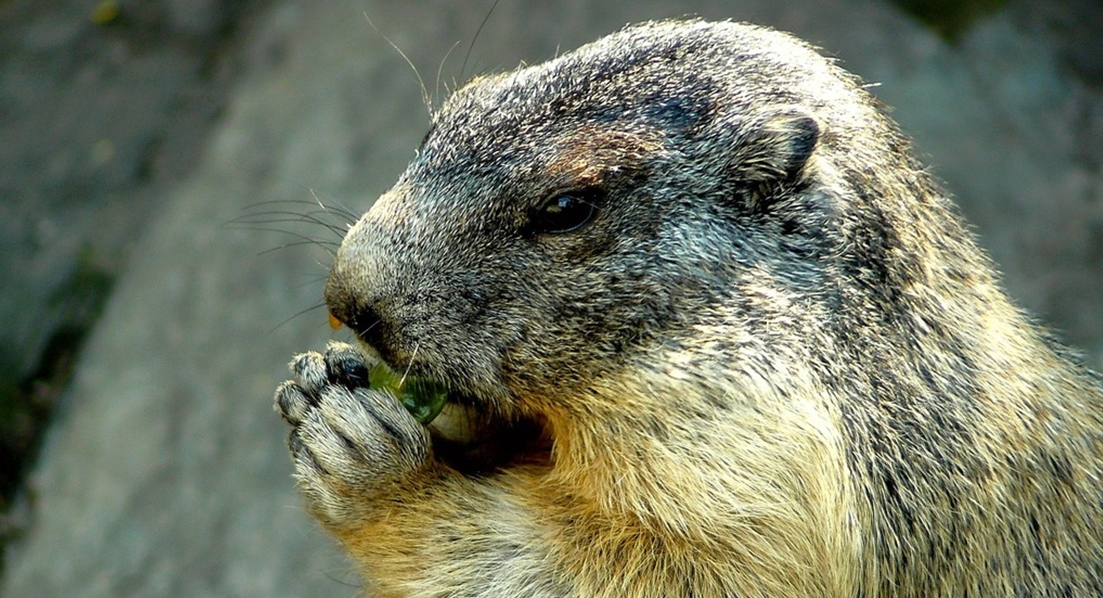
x=423, y=398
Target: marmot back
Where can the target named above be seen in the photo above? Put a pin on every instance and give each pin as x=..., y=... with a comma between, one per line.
x=707, y=329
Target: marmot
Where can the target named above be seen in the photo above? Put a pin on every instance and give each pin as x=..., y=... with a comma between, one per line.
x=708, y=329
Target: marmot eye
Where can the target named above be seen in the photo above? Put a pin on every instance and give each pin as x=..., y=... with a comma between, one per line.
x=565, y=212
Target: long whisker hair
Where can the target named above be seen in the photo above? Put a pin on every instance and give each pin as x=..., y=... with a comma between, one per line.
x=327, y=224
x=425, y=99
x=409, y=365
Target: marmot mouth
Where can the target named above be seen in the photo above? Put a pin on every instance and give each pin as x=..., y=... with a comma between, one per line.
x=466, y=437
x=470, y=436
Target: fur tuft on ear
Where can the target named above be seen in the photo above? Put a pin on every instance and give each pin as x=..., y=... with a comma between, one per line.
x=773, y=153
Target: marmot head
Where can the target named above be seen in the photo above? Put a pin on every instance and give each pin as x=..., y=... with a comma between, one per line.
x=562, y=219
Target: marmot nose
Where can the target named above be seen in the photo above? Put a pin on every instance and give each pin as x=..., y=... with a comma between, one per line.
x=353, y=309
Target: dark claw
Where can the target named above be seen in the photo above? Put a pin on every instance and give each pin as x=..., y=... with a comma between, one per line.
x=346, y=367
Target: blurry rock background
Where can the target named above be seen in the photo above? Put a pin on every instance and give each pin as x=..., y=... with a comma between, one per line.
x=152, y=153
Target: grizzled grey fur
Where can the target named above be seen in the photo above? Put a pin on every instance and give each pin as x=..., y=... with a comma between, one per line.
x=709, y=330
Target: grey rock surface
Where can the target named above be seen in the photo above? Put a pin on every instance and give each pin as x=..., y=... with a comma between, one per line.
x=165, y=473
x=86, y=111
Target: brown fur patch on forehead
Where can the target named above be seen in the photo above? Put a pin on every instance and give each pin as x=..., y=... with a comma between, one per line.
x=592, y=153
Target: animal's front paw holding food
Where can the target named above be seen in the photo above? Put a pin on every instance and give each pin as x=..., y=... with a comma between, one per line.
x=350, y=442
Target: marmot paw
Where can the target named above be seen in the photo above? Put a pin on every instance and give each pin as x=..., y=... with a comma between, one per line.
x=349, y=443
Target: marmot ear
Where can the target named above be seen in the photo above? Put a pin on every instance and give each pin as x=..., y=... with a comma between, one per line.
x=774, y=151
